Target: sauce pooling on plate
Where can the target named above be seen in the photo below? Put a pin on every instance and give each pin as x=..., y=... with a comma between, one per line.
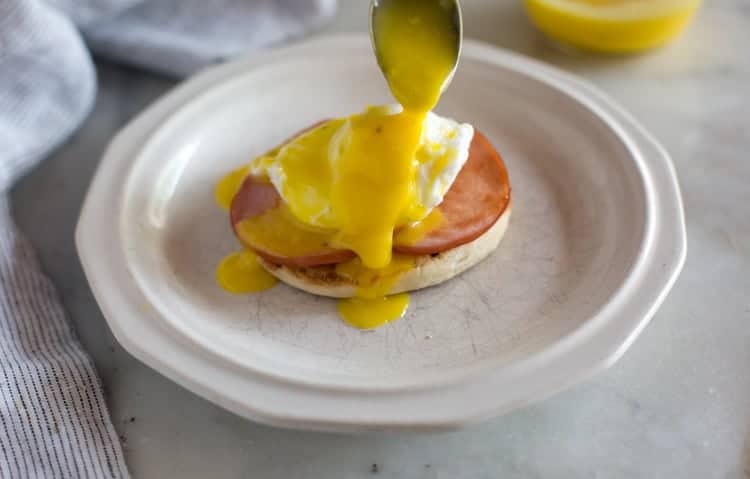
x=242, y=273
x=372, y=307
x=349, y=183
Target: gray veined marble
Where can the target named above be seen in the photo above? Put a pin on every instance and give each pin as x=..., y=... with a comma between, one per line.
x=677, y=405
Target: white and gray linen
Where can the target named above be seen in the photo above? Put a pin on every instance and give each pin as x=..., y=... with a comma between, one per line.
x=53, y=418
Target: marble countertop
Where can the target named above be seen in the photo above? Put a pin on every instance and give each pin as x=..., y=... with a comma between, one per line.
x=678, y=403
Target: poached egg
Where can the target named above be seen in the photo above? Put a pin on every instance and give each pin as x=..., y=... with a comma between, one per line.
x=329, y=176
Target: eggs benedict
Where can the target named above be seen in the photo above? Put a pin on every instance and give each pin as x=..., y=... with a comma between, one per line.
x=369, y=207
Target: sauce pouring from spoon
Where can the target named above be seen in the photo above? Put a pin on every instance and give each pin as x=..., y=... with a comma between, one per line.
x=417, y=44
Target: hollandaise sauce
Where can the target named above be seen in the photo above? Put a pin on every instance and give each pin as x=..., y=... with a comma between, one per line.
x=228, y=186
x=239, y=272
x=349, y=184
x=242, y=273
x=370, y=313
x=372, y=307
x=414, y=232
x=417, y=48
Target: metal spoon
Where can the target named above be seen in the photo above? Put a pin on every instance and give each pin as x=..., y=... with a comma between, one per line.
x=450, y=10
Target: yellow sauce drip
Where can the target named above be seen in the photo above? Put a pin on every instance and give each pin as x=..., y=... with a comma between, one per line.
x=612, y=26
x=372, y=191
x=310, y=175
x=415, y=232
x=373, y=283
x=242, y=273
x=372, y=307
x=228, y=186
x=239, y=272
x=278, y=232
x=373, y=312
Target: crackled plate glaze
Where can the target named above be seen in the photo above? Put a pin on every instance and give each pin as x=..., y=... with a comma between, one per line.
x=596, y=241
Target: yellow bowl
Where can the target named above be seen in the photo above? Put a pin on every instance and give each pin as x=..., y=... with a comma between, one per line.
x=612, y=26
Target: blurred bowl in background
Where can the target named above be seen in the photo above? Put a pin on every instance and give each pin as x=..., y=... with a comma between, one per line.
x=612, y=26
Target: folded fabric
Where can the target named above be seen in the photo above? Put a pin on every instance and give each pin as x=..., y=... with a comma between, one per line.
x=180, y=36
x=53, y=418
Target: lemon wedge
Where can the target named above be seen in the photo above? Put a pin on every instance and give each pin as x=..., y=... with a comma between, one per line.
x=612, y=26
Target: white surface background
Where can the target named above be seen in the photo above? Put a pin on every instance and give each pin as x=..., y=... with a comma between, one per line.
x=677, y=404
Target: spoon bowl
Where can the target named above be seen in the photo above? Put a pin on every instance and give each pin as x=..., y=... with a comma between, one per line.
x=445, y=27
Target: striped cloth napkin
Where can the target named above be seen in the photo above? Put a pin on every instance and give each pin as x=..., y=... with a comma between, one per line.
x=53, y=418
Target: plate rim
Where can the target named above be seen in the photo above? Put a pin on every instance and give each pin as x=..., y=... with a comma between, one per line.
x=669, y=233
x=206, y=100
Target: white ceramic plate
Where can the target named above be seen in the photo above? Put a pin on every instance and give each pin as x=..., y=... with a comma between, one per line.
x=596, y=240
